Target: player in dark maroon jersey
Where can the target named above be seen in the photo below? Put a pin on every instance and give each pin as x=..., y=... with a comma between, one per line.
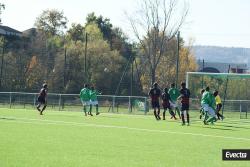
x=185, y=95
x=155, y=94
x=42, y=100
x=166, y=104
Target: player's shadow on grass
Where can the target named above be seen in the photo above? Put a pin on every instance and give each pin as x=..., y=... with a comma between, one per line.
x=10, y=119
x=231, y=126
x=218, y=128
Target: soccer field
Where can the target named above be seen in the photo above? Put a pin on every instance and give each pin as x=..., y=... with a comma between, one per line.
x=70, y=139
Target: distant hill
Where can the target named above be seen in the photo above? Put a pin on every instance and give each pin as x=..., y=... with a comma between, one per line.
x=222, y=54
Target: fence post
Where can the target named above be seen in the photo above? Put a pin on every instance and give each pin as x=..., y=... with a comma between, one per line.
x=59, y=103
x=145, y=105
x=10, y=99
x=240, y=109
x=34, y=100
x=129, y=104
x=113, y=103
x=246, y=111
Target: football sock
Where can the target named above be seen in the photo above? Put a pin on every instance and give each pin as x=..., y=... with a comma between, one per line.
x=206, y=116
x=172, y=114
x=155, y=114
x=187, y=118
x=44, y=107
x=182, y=118
x=178, y=112
x=97, y=108
x=164, y=114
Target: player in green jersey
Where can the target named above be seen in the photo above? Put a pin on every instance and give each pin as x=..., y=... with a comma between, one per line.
x=85, y=98
x=93, y=99
x=174, y=94
x=208, y=104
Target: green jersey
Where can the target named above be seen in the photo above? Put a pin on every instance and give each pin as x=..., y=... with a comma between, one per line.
x=205, y=98
x=85, y=94
x=174, y=94
x=208, y=98
x=212, y=101
x=93, y=95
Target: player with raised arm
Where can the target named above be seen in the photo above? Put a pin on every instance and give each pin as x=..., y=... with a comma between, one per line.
x=93, y=99
x=85, y=98
x=42, y=98
x=184, y=96
x=174, y=94
x=155, y=94
x=166, y=104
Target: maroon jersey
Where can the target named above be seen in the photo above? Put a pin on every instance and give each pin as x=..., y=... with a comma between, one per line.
x=165, y=99
x=43, y=93
x=185, y=95
x=155, y=94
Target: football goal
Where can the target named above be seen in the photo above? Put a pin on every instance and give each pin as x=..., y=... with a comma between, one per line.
x=232, y=87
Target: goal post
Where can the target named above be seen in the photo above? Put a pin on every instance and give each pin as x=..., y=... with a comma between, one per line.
x=231, y=86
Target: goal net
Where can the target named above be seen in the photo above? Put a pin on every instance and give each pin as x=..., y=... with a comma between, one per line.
x=231, y=87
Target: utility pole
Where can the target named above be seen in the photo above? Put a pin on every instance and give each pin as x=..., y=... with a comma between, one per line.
x=2, y=62
x=132, y=78
x=177, y=59
x=202, y=82
x=85, y=54
x=65, y=64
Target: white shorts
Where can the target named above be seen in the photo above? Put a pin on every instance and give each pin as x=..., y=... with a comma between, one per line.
x=209, y=109
x=85, y=103
x=173, y=104
x=94, y=102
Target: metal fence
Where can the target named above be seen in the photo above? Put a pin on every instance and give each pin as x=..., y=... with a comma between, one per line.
x=71, y=102
x=109, y=103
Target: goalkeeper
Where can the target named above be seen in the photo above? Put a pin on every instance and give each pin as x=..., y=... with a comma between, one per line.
x=218, y=105
x=208, y=104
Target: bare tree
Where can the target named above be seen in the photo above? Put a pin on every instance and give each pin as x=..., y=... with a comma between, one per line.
x=156, y=23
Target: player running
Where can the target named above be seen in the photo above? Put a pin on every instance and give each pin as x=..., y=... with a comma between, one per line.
x=85, y=98
x=208, y=104
x=174, y=94
x=155, y=94
x=42, y=98
x=218, y=105
x=93, y=99
x=184, y=96
x=166, y=104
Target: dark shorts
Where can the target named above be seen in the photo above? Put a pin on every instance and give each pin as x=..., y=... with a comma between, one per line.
x=155, y=104
x=218, y=107
x=41, y=100
x=184, y=107
x=166, y=106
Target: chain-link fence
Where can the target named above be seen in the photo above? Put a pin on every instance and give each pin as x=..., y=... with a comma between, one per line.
x=109, y=103
x=71, y=102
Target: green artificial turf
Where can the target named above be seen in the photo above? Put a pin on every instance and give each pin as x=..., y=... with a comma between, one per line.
x=70, y=139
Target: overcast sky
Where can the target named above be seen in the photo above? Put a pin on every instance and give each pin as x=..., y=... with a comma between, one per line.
x=209, y=22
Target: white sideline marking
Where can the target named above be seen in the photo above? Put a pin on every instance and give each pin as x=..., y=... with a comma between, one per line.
x=54, y=122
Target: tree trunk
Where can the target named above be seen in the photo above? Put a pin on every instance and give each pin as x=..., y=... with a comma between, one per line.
x=153, y=75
